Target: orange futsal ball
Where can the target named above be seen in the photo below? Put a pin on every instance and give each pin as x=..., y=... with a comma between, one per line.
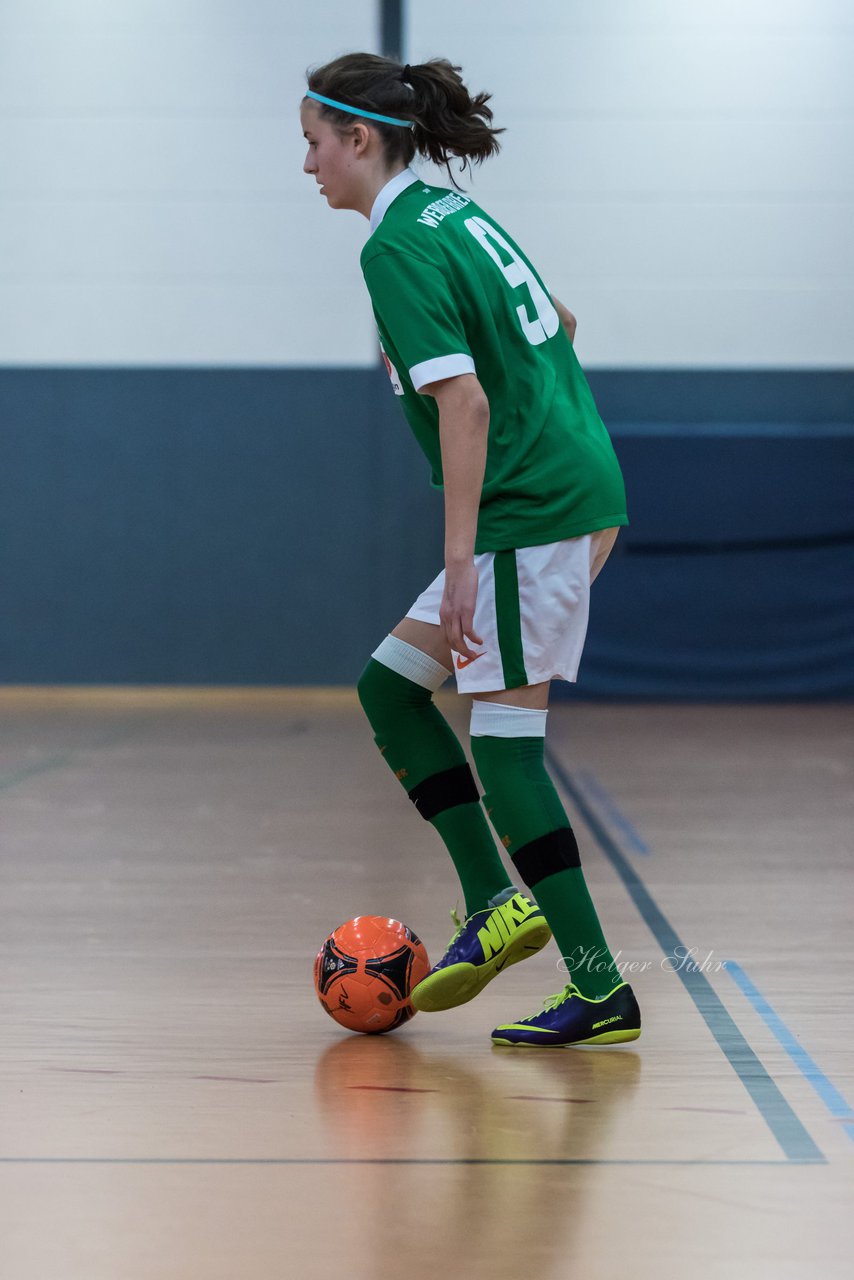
x=365, y=971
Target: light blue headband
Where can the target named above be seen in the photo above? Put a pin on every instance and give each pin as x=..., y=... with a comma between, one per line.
x=357, y=111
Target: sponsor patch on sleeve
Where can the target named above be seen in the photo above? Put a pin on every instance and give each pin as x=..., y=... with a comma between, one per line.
x=394, y=376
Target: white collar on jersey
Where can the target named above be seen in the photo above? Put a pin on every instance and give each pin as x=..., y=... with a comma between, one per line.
x=390, y=191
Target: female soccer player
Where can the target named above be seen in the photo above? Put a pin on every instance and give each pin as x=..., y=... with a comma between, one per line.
x=481, y=357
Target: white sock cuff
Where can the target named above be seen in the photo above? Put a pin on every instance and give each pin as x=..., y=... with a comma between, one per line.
x=412, y=663
x=498, y=720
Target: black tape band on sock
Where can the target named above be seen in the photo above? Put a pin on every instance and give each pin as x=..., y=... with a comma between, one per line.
x=547, y=855
x=444, y=791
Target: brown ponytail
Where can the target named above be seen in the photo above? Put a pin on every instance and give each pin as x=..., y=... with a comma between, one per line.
x=447, y=121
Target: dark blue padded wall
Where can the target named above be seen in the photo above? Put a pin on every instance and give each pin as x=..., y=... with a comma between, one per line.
x=189, y=526
x=269, y=526
x=738, y=566
x=736, y=576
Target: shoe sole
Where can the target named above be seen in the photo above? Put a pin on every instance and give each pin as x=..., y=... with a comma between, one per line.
x=607, y=1037
x=460, y=983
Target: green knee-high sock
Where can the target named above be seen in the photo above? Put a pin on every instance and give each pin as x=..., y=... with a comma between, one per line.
x=531, y=822
x=425, y=755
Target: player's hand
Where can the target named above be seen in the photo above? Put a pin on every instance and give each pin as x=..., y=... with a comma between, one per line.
x=456, y=612
x=566, y=317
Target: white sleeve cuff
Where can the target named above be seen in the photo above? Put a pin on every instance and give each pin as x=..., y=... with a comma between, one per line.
x=442, y=367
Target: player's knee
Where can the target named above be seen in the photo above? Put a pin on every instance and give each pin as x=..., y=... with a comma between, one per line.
x=385, y=694
x=376, y=693
x=398, y=676
x=366, y=687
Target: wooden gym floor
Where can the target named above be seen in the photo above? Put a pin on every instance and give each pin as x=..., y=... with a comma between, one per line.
x=175, y=1104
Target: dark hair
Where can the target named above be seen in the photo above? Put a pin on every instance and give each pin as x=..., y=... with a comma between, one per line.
x=447, y=120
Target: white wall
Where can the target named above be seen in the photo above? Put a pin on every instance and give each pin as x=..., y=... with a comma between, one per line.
x=154, y=208
x=682, y=173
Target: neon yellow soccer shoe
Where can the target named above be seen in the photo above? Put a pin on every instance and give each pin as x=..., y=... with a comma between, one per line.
x=510, y=929
x=570, y=1018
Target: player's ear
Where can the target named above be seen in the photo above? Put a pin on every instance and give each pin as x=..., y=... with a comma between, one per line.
x=361, y=135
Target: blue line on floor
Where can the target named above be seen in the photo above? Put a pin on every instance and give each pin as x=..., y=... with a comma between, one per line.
x=790, y=1133
x=31, y=771
x=829, y=1094
x=606, y=803
x=110, y=739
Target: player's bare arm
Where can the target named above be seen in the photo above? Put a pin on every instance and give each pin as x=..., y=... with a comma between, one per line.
x=567, y=319
x=463, y=431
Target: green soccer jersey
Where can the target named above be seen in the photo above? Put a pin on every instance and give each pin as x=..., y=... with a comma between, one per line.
x=453, y=294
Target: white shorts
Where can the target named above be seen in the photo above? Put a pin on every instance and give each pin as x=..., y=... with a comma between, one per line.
x=532, y=609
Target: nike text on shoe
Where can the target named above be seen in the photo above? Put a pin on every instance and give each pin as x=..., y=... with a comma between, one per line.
x=510, y=929
x=569, y=1018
